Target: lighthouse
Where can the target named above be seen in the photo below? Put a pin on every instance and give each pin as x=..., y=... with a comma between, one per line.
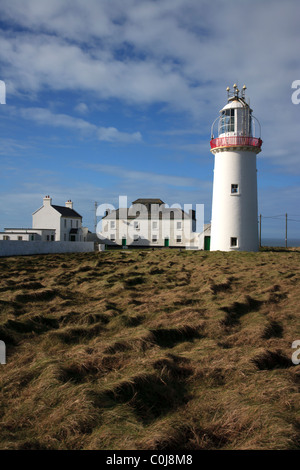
x=234, y=224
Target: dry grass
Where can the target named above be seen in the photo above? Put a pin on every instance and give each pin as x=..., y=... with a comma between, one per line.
x=160, y=350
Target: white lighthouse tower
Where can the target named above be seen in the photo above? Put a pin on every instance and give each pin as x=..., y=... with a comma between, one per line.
x=234, y=224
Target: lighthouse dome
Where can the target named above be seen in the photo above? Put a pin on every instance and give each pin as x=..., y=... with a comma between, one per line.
x=235, y=104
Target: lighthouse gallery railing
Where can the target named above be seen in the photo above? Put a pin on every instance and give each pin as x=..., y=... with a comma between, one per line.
x=235, y=141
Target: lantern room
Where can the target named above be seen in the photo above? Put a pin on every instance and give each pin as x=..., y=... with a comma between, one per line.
x=236, y=126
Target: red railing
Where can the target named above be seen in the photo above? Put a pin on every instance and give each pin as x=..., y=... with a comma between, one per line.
x=235, y=141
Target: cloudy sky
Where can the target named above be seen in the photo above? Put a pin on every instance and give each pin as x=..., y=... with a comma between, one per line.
x=117, y=97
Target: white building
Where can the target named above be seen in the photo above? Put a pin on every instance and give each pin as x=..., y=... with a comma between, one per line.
x=234, y=224
x=148, y=222
x=28, y=234
x=64, y=220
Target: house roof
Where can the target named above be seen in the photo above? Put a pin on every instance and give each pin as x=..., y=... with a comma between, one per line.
x=66, y=211
x=148, y=201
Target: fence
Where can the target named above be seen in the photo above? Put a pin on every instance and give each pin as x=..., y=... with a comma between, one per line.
x=285, y=223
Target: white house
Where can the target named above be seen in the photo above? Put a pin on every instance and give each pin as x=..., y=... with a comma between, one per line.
x=148, y=222
x=64, y=220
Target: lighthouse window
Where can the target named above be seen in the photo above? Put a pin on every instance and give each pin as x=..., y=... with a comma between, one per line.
x=234, y=188
x=233, y=241
x=227, y=121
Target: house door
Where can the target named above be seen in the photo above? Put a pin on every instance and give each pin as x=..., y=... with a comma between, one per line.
x=167, y=242
x=207, y=243
x=72, y=238
x=123, y=241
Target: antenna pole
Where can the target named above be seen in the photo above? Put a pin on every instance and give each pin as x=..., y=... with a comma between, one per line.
x=286, y=230
x=259, y=230
x=95, y=220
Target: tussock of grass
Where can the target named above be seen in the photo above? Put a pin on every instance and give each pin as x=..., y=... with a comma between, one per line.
x=168, y=337
x=238, y=309
x=72, y=335
x=161, y=350
x=272, y=360
x=38, y=296
x=273, y=330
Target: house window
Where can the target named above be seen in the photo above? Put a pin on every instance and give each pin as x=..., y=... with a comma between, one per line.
x=112, y=237
x=233, y=241
x=179, y=225
x=5, y=237
x=32, y=237
x=52, y=238
x=234, y=189
x=154, y=238
x=178, y=239
x=20, y=238
x=155, y=225
x=136, y=225
x=48, y=238
x=112, y=224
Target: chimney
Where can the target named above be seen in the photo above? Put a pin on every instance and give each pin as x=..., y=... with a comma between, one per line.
x=47, y=201
x=69, y=204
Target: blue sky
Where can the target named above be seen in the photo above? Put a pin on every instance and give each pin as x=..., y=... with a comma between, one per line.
x=117, y=97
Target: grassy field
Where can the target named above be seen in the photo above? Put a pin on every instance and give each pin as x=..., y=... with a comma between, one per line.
x=159, y=350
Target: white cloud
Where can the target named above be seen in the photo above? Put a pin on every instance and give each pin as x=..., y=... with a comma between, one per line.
x=44, y=116
x=111, y=134
x=151, y=178
x=81, y=108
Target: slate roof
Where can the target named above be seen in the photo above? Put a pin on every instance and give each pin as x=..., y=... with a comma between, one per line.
x=66, y=211
x=148, y=201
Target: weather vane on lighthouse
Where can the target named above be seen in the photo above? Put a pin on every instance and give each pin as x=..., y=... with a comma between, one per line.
x=234, y=206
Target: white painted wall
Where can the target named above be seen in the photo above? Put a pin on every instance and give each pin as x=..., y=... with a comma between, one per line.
x=27, y=234
x=47, y=217
x=13, y=248
x=234, y=215
x=166, y=228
